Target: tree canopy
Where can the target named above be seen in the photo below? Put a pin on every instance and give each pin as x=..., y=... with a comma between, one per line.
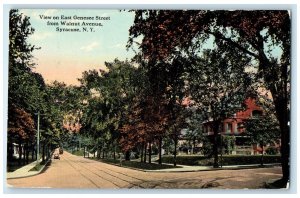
x=167, y=33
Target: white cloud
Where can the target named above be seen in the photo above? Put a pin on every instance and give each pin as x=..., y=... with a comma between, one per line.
x=50, y=12
x=118, y=46
x=41, y=35
x=90, y=46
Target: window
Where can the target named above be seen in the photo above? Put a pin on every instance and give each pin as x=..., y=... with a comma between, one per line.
x=240, y=126
x=229, y=127
x=256, y=113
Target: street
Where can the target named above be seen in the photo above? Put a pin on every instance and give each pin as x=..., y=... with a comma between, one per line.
x=77, y=172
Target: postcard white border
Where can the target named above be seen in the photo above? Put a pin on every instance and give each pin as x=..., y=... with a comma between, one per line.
x=119, y=5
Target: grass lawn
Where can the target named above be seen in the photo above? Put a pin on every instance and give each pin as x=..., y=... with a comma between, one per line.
x=136, y=164
x=78, y=153
x=194, y=160
x=14, y=164
x=38, y=166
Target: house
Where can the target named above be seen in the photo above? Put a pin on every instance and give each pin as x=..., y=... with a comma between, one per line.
x=234, y=127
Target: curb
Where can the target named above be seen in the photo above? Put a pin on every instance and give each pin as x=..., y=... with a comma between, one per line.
x=237, y=167
x=133, y=168
x=33, y=172
x=213, y=169
x=118, y=165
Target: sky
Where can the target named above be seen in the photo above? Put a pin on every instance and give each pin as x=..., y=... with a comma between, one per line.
x=65, y=55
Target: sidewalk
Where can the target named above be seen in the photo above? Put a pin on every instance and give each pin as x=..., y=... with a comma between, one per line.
x=210, y=168
x=24, y=171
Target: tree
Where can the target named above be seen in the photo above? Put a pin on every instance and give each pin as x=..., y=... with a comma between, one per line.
x=262, y=130
x=23, y=85
x=219, y=87
x=20, y=129
x=166, y=32
x=109, y=95
x=194, y=133
x=145, y=123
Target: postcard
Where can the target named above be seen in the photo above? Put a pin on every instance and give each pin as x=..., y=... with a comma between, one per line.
x=149, y=99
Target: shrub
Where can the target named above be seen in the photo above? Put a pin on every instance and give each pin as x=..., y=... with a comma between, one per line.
x=226, y=160
x=192, y=160
x=79, y=152
x=139, y=165
x=272, y=151
x=249, y=159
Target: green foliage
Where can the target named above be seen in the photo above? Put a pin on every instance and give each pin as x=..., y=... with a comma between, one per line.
x=207, y=148
x=28, y=94
x=108, y=95
x=228, y=143
x=78, y=153
x=226, y=160
x=263, y=130
x=139, y=165
x=190, y=160
x=249, y=159
x=167, y=33
x=24, y=85
x=39, y=166
x=272, y=151
x=219, y=86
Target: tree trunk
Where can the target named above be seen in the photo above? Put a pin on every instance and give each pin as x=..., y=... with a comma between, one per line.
x=142, y=151
x=98, y=153
x=115, y=152
x=175, y=150
x=20, y=153
x=127, y=155
x=84, y=152
x=194, y=145
x=283, y=118
x=215, y=144
x=262, y=155
x=27, y=154
x=279, y=91
x=10, y=154
x=159, y=150
x=32, y=153
x=24, y=155
x=43, y=156
x=145, y=152
x=150, y=152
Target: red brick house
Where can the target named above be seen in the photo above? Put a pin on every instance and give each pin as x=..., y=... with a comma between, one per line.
x=233, y=126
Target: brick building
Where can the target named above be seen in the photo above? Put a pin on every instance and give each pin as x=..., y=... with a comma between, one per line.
x=234, y=127
x=234, y=124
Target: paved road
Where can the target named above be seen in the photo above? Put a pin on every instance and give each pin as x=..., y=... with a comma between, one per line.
x=76, y=172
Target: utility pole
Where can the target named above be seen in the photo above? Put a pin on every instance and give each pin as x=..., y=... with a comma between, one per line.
x=38, y=140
